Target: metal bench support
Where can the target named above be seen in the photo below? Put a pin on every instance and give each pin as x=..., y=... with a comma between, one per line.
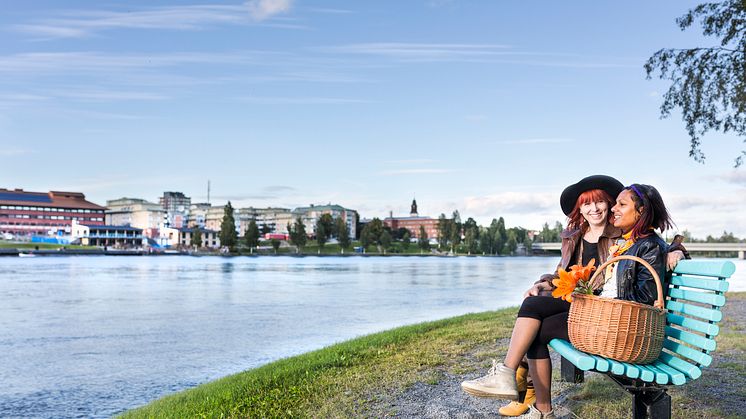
x=651, y=405
x=570, y=373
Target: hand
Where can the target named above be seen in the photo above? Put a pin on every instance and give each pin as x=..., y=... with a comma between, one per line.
x=536, y=289
x=673, y=259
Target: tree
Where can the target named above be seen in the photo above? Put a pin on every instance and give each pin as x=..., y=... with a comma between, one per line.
x=707, y=84
x=343, y=233
x=228, y=235
x=251, y=235
x=512, y=243
x=500, y=236
x=422, y=241
x=470, y=240
x=385, y=240
x=405, y=240
x=444, y=231
x=196, y=239
x=528, y=244
x=265, y=229
x=297, y=233
x=455, y=230
x=323, y=231
x=486, y=240
x=275, y=244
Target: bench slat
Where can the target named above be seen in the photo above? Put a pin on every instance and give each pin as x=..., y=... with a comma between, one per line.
x=674, y=375
x=616, y=367
x=700, y=358
x=722, y=269
x=660, y=376
x=690, y=370
x=700, y=297
x=602, y=364
x=646, y=374
x=631, y=371
x=696, y=325
x=691, y=338
x=701, y=283
x=580, y=359
x=692, y=310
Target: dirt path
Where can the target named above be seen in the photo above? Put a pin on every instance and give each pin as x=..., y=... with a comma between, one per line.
x=445, y=399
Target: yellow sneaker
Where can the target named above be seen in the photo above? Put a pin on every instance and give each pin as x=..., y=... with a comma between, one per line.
x=519, y=408
x=521, y=378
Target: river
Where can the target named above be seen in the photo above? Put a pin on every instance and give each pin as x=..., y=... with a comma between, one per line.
x=94, y=336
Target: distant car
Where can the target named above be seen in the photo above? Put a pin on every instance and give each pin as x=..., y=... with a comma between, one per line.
x=7, y=236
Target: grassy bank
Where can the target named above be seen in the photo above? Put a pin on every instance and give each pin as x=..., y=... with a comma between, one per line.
x=344, y=380
x=337, y=380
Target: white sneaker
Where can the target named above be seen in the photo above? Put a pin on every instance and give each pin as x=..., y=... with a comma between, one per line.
x=534, y=413
x=499, y=383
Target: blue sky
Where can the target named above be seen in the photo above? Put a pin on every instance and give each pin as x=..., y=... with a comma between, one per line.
x=488, y=107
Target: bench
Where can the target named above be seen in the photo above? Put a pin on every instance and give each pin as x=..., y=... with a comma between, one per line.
x=695, y=296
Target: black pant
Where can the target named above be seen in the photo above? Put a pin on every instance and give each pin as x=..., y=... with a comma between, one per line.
x=552, y=312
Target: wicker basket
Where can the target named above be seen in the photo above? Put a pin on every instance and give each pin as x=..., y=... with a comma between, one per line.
x=626, y=331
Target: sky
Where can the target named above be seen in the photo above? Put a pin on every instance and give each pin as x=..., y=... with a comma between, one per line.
x=490, y=108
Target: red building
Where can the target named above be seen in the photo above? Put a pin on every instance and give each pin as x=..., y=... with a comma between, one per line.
x=413, y=223
x=41, y=213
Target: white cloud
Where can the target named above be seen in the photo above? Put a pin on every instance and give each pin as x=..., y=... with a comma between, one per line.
x=264, y=9
x=538, y=141
x=83, y=23
x=415, y=172
x=300, y=100
x=7, y=152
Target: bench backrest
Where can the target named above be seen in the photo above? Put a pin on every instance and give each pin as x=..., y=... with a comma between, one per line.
x=695, y=298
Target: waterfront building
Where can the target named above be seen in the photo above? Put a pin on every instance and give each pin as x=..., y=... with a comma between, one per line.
x=107, y=235
x=413, y=223
x=210, y=238
x=309, y=215
x=198, y=214
x=25, y=213
x=275, y=219
x=137, y=213
x=176, y=205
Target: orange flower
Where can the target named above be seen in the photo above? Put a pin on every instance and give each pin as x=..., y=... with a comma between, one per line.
x=583, y=273
x=565, y=285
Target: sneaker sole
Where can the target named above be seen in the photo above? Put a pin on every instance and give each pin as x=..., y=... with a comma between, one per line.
x=484, y=394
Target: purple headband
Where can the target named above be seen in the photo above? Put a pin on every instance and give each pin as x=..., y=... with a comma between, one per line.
x=636, y=191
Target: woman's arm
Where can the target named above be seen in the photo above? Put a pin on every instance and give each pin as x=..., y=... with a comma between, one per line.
x=644, y=287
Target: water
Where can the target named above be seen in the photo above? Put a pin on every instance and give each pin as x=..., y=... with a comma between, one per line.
x=93, y=336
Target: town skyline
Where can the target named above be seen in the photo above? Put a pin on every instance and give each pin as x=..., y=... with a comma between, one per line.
x=491, y=109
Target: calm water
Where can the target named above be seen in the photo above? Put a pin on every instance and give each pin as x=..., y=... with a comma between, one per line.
x=93, y=336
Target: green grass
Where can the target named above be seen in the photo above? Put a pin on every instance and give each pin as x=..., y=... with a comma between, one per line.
x=345, y=379
x=337, y=381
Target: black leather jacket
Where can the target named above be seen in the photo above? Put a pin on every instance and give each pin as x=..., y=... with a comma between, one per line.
x=634, y=281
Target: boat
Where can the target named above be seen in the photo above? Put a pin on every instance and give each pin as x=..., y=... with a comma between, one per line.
x=26, y=255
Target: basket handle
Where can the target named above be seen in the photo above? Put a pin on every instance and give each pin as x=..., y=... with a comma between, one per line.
x=659, y=302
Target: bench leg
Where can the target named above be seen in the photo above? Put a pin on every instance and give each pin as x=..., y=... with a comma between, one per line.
x=652, y=405
x=570, y=372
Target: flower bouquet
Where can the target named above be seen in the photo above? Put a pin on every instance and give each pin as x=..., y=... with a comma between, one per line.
x=578, y=280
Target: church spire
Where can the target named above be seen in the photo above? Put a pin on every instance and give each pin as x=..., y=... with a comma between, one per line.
x=413, y=211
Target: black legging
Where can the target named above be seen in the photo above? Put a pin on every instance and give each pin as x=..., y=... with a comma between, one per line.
x=552, y=312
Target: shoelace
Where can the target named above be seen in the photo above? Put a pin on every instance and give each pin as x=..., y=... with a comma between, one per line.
x=491, y=372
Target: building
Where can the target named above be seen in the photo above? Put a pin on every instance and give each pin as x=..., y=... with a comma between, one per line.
x=137, y=213
x=198, y=214
x=176, y=205
x=210, y=238
x=25, y=213
x=413, y=223
x=107, y=235
x=275, y=219
x=309, y=215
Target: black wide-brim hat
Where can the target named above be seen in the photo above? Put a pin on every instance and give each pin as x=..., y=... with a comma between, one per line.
x=571, y=193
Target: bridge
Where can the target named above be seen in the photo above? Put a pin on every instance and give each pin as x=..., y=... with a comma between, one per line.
x=692, y=247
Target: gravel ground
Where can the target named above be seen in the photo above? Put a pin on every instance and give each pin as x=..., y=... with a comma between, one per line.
x=445, y=399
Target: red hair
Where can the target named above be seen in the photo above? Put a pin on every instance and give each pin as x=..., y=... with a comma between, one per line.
x=575, y=219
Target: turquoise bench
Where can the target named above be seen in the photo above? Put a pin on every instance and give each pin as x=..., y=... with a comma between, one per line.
x=695, y=296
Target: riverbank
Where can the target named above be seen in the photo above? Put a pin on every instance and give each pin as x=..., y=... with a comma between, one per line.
x=415, y=371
